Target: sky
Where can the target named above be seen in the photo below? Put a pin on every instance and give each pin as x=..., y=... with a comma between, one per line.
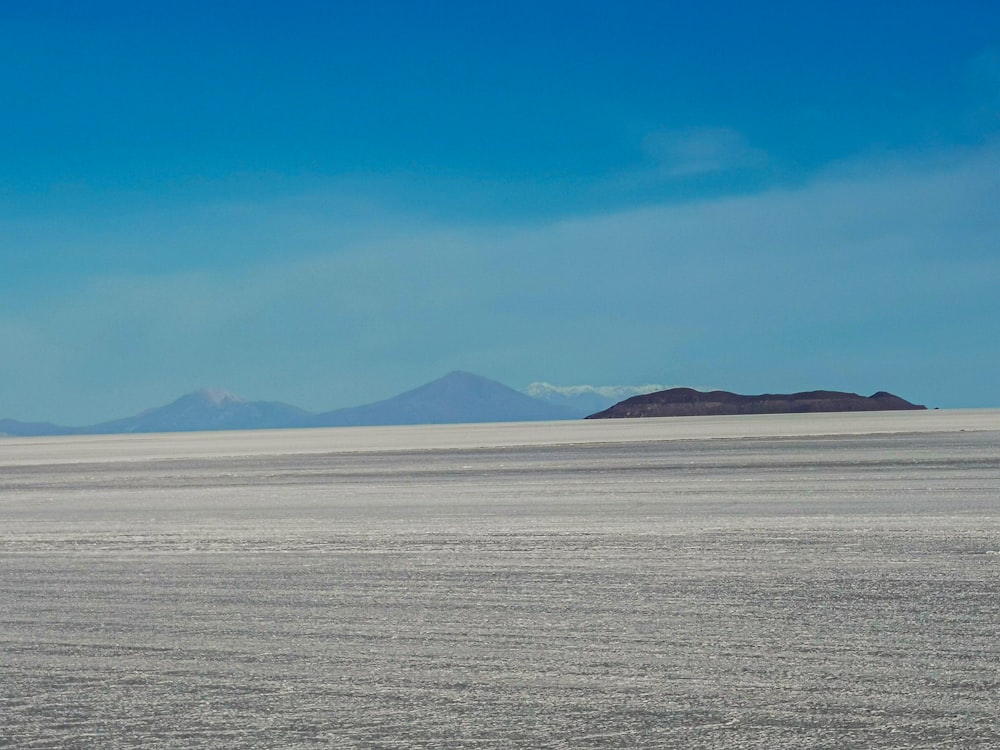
x=330, y=203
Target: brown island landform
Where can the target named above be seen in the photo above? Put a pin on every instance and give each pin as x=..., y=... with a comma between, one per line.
x=688, y=402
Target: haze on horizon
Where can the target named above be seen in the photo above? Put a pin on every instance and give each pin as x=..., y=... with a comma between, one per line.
x=329, y=205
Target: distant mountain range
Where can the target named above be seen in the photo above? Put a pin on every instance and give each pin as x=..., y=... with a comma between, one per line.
x=687, y=402
x=455, y=398
x=208, y=409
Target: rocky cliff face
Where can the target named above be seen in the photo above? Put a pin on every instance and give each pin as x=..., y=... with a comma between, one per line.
x=687, y=402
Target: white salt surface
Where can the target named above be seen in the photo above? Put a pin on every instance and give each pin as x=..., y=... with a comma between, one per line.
x=492, y=435
x=766, y=582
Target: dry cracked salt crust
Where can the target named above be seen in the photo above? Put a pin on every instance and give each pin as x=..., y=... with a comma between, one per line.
x=833, y=591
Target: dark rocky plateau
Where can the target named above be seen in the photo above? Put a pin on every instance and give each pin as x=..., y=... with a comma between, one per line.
x=687, y=402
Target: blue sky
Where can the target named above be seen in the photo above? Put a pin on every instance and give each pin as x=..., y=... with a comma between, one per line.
x=329, y=203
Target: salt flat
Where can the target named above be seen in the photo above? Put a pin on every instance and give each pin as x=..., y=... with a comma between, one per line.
x=495, y=435
x=758, y=582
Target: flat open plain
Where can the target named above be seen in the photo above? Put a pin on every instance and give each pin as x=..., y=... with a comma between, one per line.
x=821, y=581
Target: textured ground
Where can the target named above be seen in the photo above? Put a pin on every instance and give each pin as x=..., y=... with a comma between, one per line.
x=835, y=591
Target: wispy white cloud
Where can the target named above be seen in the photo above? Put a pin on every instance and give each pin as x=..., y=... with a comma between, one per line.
x=697, y=151
x=542, y=389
